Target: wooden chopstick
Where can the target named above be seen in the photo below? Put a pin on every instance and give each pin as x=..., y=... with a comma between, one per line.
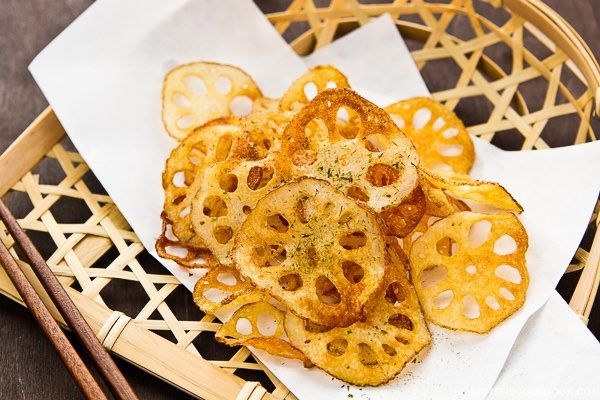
x=105, y=364
x=67, y=353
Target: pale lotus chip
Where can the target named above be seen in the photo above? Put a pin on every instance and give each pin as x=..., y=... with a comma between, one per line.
x=318, y=252
x=229, y=191
x=467, y=188
x=223, y=285
x=440, y=137
x=469, y=270
x=259, y=325
x=305, y=88
x=375, y=165
x=170, y=247
x=194, y=94
x=371, y=352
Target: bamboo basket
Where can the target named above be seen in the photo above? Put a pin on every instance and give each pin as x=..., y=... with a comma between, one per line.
x=94, y=254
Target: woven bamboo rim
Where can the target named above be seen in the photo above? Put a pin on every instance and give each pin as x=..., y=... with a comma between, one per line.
x=179, y=361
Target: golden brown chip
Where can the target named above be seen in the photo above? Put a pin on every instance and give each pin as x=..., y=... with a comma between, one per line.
x=375, y=165
x=469, y=270
x=224, y=285
x=371, y=352
x=259, y=325
x=440, y=137
x=170, y=247
x=313, y=249
x=314, y=81
x=229, y=191
x=194, y=94
x=465, y=187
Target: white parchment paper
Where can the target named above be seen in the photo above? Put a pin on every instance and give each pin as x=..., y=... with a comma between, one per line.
x=103, y=77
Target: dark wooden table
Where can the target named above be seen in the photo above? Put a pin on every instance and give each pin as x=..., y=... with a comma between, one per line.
x=29, y=367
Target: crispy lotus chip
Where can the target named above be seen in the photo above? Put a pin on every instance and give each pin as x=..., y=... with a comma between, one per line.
x=230, y=190
x=315, y=250
x=440, y=137
x=374, y=165
x=314, y=81
x=245, y=328
x=467, y=188
x=170, y=247
x=223, y=285
x=371, y=352
x=194, y=94
x=469, y=270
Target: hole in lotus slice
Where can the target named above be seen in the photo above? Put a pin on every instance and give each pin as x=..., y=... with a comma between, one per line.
x=421, y=117
x=376, y=142
x=450, y=133
x=315, y=328
x=185, y=212
x=443, y=299
x=505, y=245
x=331, y=85
x=243, y=326
x=394, y=294
x=381, y=175
x=326, y=291
x=228, y=182
x=401, y=321
x=353, y=240
x=389, y=350
x=357, y=193
x=337, y=347
x=471, y=269
x=450, y=150
x=439, y=123
x=366, y=355
x=179, y=179
x=347, y=127
x=180, y=100
x=178, y=199
x=398, y=120
x=301, y=210
x=442, y=167
x=223, y=85
x=214, y=207
x=241, y=106
x=227, y=278
x=508, y=273
x=215, y=295
x=246, y=209
x=278, y=223
x=310, y=90
x=433, y=275
x=186, y=121
x=290, y=282
x=170, y=235
x=492, y=303
x=470, y=307
x=177, y=251
x=447, y=246
x=312, y=256
x=266, y=323
x=223, y=147
x=195, y=84
x=479, y=233
x=277, y=255
x=402, y=340
x=223, y=234
x=507, y=294
x=259, y=177
x=352, y=271
x=345, y=218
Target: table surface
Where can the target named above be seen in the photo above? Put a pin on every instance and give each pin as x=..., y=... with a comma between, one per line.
x=30, y=369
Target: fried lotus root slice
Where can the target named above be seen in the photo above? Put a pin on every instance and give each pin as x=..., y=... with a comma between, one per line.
x=469, y=270
x=465, y=187
x=315, y=250
x=376, y=166
x=196, y=93
x=259, y=325
x=168, y=246
x=440, y=137
x=305, y=88
x=223, y=285
x=371, y=352
x=230, y=190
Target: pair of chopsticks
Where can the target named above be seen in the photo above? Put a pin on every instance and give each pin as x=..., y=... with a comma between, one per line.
x=102, y=360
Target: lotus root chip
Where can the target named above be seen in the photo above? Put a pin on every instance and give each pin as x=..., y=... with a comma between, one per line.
x=194, y=94
x=168, y=246
x=314, y=81
x=370, y=352
x=318, y=252
x=259, y=325
x=469, y=270
x=440, y=137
